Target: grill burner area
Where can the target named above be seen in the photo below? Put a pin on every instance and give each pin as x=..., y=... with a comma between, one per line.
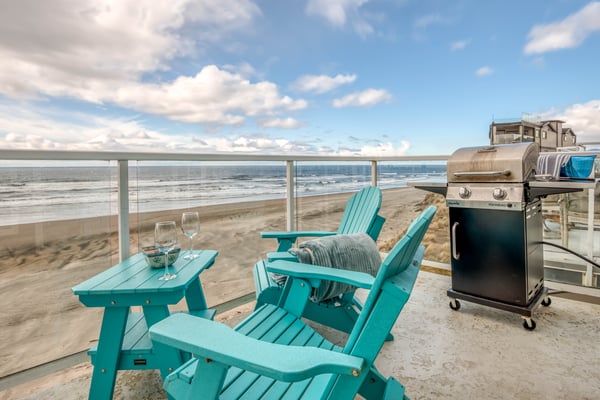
x=496, y=227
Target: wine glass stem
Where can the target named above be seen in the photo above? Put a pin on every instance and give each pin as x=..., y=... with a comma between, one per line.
x=166, y=274
x=191, y=245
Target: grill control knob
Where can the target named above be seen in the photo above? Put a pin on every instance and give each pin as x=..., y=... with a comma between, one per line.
x=464, y=192
x=499, y=194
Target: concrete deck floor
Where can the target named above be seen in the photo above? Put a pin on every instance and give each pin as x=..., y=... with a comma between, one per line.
x=474, y=353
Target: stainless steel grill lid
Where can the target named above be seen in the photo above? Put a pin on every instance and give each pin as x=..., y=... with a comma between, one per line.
x=498, y=163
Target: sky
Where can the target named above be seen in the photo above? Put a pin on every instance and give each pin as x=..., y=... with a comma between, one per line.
x=308, y=77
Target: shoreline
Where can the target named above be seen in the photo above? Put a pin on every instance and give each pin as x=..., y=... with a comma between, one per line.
x=25, y=236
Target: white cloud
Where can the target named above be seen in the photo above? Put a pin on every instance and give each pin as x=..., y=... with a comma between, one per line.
x=484, y=71
x=365, y=98
x=386, y=149
x=321, y=83
x=37, y=129
x=243, y=69
x=66, y=47
x=101, y=52
x=282, y=123
x=459, y=45
x=361, y=149
x=584, y=119
x=428, y=20
x=216, y=18
x=340, y=13
x=40, y=129
x=565, y=34
x=211, y=96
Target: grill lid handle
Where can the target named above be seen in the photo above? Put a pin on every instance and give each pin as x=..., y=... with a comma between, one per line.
x=488, y=149
x=505, y=172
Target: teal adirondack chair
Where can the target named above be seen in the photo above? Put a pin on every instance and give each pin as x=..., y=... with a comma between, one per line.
x=273, y=354
x=360, y=215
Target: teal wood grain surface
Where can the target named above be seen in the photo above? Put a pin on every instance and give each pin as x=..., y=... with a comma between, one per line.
x=360, y=216
x=124, y=342
x=273, y=354
x=132, y=282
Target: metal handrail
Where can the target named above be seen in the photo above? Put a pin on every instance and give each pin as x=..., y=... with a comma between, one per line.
x=146, y=156
x=123, y=159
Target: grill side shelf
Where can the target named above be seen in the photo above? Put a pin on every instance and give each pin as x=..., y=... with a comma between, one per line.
x=435, y=187
x=544, y=188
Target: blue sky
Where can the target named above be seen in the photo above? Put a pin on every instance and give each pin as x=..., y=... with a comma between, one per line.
x=331, y=77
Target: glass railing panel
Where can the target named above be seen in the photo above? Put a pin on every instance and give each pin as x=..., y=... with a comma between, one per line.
x=57, y=231
x=322, y=190
x=567, y=220
x=401, y=204
x=59, y=227
x=235, y=202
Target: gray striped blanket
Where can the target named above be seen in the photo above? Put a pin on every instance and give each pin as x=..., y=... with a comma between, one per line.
x=550, y=163
x=355, y=252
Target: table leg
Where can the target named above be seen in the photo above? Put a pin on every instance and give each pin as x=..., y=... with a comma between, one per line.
x=194, y=296
x=109, y=349
x=169, y=357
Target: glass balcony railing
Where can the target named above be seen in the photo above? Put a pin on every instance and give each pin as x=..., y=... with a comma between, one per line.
x=67, y=216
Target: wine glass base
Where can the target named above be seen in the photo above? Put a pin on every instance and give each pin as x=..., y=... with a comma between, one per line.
x=167, y=277
x=190, y=256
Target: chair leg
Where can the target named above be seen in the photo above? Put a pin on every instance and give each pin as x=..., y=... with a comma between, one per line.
x=208, y=380
x=393, y=390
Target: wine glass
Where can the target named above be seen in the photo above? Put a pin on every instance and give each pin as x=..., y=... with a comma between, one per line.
x=190, y=222
x=165, y=238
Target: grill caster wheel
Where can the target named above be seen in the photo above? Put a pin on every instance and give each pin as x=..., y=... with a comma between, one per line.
x=454, y=304
x=547, y=301
x=528, y=324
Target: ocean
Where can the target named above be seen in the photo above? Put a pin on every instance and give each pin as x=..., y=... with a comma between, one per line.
x=48, y=193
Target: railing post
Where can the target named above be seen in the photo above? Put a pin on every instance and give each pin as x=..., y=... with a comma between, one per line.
x=123, y=166
x=290, y=197
x=374, y=172
x=589, y=271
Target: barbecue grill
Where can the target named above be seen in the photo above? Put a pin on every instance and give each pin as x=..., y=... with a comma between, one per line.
x=496, y=227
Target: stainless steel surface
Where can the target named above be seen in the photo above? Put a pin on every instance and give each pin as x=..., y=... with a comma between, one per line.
x=495, y=233
x=455, y=253
x=499, y=163
x=491, y=196
x=479, y=174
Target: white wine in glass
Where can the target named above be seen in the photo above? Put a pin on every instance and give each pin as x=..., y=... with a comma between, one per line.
x=165, y=239
x=190, y=224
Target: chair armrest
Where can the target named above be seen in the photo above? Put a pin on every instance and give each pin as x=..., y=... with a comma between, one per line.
x=218, y=342
x=295, y=234
x=281, y=255
x=319, y=273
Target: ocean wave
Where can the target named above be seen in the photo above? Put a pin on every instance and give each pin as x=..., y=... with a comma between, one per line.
x=42, y=194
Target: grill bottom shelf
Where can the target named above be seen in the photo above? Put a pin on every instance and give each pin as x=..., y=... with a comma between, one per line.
x=524, y=311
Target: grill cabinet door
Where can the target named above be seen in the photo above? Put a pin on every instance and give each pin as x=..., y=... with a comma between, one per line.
x=499, y=254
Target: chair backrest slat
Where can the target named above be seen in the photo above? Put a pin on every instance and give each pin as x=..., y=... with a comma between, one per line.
x=388, y=295
x=397, y=261
x=361, y=211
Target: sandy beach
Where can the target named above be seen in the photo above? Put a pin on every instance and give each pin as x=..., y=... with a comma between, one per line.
x=39, y=263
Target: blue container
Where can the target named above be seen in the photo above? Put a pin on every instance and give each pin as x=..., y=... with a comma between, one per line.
x=578, y=167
